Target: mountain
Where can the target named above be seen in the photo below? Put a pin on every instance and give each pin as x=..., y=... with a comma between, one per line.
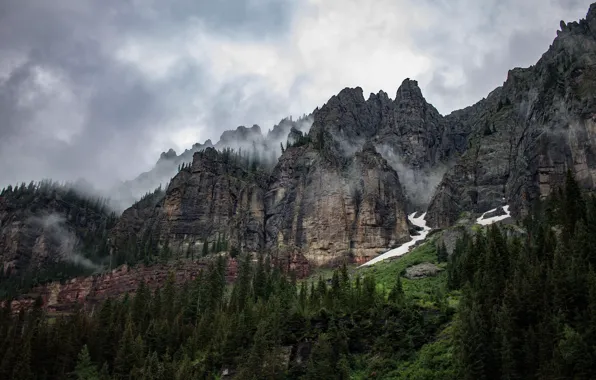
x=241, y=139
x=338, y=184
x=183, y=300
x=335, y=193
x=48, y=230
x=527, y=133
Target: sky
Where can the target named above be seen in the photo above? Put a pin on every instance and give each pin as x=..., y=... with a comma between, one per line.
x=98, y=89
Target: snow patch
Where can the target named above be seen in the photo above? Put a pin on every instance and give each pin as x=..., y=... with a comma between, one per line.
x=489, y=221
x=405, y=248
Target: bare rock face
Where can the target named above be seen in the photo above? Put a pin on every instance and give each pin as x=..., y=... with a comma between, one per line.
x=133, y=221
x=331, y=196
x=529, y=132
x=242, y=138
x=330, y=203
x=216, y=198
x=422, y=270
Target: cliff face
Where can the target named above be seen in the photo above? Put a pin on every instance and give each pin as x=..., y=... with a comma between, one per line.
x=330, y=211
x=45, y=224
x=331, y=195
x=529, y=132
x=253, y=140
x=217, y=198
x=417, y=142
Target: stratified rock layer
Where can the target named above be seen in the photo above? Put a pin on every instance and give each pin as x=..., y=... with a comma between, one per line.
x=90, y=291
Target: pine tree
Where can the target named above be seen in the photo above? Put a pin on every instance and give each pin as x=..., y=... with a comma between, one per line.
x=442, y=255
x=321, y=363
x=397, y=295
x=205, y=250
x=22, y=368
x=85, y=369
x=125, y=358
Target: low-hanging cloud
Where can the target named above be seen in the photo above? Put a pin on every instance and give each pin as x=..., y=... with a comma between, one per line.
x=419, y=184
x=55, y=229
x=266, y=147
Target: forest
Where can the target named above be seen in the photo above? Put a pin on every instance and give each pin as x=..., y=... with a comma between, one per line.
x=513, y=303
x=68, y=212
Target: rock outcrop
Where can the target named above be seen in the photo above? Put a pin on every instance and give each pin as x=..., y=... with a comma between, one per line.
x=217, y=198
x=527, y=133
x=331, y=195
x=331, y=209
x=422, y=270
x=252, y=140
x=90, y=291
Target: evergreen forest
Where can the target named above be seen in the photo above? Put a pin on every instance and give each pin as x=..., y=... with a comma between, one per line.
x=513, y=302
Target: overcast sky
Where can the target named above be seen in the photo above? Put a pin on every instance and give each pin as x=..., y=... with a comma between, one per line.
x=97, y=89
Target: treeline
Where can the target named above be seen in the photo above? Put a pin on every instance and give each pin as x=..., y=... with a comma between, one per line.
x=266, y=326
x=61, y=213
x=302, y=139
x=528, y=306
x=149, y=250
x=251, y=160
x=12, y=286
x=152, y=197
x=24, y=194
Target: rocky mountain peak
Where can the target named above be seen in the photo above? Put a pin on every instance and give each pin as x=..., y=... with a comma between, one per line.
x=348, y=98
x=524, y=139
x=169, y=155
x=241, y=133
x=409, y=96
x=408, y=89
x=206, y=144
x=591, y=17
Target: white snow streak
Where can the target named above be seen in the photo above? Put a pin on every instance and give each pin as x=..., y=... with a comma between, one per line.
x=488, y=221
x=420, y=222
x=405, y=248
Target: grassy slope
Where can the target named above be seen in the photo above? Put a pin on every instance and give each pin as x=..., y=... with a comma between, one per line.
x=434, y=360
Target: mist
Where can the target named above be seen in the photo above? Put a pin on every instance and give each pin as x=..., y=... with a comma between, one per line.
x=247, y=140
x=418, y=185
x=56, y=231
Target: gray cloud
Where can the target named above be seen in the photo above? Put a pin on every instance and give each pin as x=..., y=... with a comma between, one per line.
x=71, y=107
x=482, y=41
x=99, y=89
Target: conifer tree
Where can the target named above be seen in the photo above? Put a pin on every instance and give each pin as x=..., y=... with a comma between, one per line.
x=442, y=254
x=205, y=250
x=22, y=369
x=85, y=369
x=397, y=295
